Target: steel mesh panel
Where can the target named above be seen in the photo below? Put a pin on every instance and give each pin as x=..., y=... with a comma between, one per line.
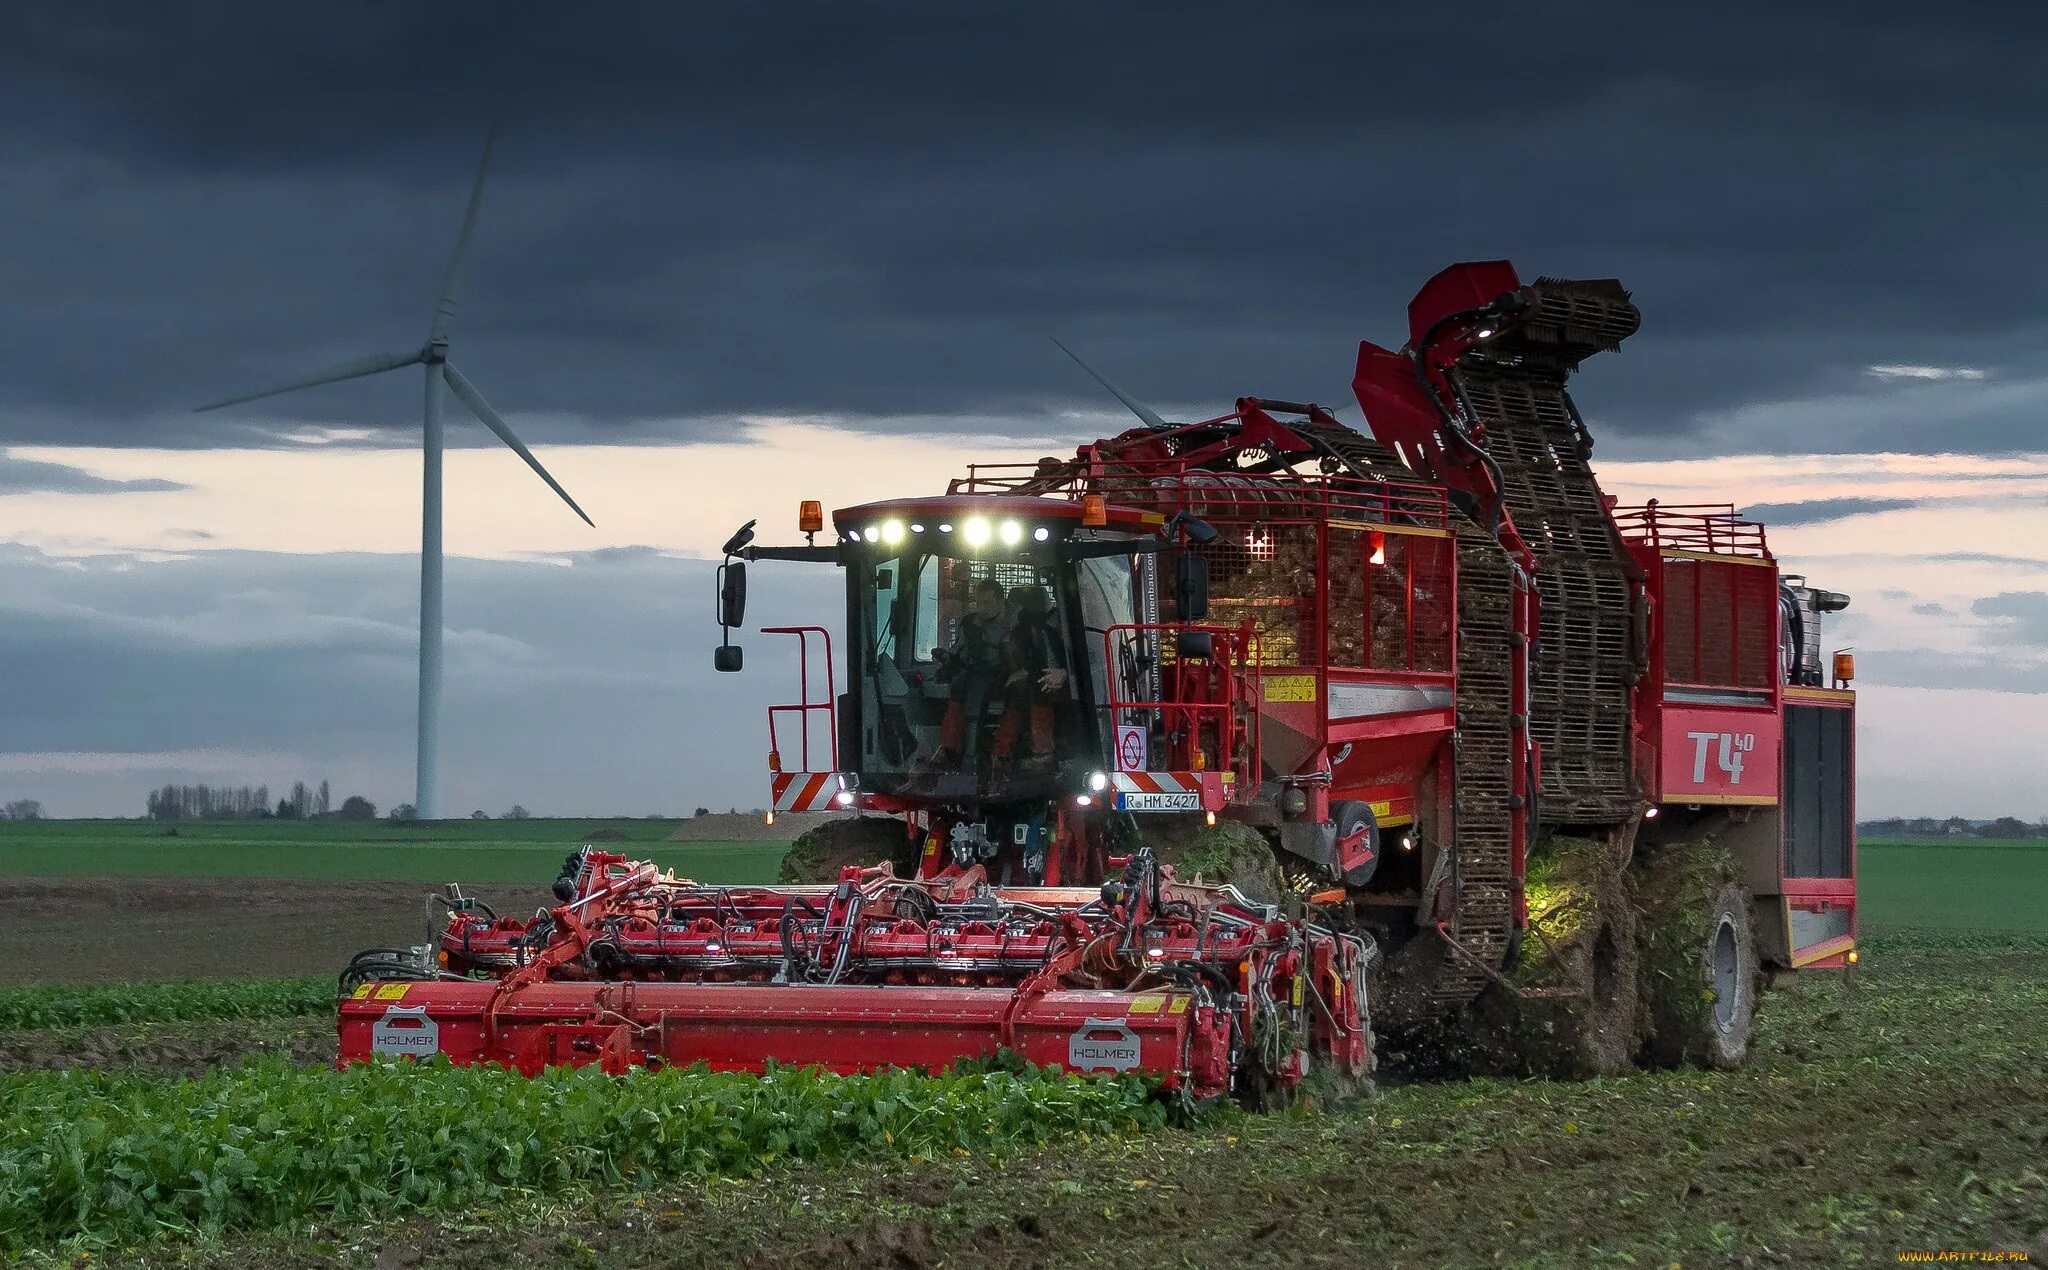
x=1264, y=575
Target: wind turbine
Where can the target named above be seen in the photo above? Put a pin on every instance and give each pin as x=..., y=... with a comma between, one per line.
x=432, y=356
x=1151, y=417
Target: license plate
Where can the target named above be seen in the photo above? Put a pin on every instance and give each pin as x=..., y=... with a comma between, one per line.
x=1159, y=802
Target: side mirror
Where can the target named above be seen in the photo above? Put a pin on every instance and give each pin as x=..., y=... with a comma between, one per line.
x=728, y=657
x=1194, y=646
x=1191, y=588
x=732, y=593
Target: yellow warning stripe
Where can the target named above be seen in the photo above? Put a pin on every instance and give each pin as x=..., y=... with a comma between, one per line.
x=1822, y=951
x=1830, y=696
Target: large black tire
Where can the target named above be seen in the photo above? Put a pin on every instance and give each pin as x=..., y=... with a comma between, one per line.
x=1699, y=968
x=1579, y=899
x=818, y=854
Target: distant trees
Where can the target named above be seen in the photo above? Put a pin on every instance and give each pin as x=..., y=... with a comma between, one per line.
x=209, y=802
x=479, y=814
x=2004, y=827
x=2008, y=827
x=22, y=809
x=701, y=811
x=404, y=811
x=357, y=807
x=243, y=802
x=518, y=813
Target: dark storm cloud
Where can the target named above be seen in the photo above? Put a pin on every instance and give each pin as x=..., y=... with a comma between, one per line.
x=1939, y=668
x=1815, y=511
x=32, y=476
x=864, y=211
x=2020, y=616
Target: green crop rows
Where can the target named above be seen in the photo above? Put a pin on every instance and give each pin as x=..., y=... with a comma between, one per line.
x=96, y=1158
x=65, y=1005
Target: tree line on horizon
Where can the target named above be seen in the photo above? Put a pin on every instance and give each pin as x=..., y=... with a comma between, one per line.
x=2004, y=827
x=252, y=802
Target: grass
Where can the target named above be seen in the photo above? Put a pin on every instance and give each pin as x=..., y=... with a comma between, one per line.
x=1945, y=885
x=524, y=852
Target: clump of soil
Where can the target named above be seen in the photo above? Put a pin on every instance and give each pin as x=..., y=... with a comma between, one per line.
x=1582, y=938
x=821, y=852
x=1226, y=853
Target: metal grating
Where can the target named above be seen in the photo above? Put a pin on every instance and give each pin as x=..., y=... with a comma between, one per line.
x=1587, y=660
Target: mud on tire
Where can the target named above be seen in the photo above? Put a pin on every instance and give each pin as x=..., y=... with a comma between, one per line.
x=1699, y=973
x=819, y=853
x=1579, y=898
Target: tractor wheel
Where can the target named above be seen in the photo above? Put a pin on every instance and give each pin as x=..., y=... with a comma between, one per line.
x=1699, y=970
x=819, y=853
x=1582, y=941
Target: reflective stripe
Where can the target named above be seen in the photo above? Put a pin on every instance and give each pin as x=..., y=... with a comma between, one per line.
x=803, y=791
x=1157, y=782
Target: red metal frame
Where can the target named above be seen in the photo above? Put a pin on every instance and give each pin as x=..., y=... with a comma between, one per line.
x=643, y=968
x=1226, y=673
x=804, y=707
x=1713, y=528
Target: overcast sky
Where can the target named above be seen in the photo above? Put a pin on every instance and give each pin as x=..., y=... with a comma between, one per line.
x=735, y=255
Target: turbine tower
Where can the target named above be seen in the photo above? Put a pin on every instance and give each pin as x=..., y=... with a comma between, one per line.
x=432, y=357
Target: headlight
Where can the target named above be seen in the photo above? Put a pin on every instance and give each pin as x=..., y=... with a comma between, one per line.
x=975, y=531
x=1013, y=533
x=1098, y=781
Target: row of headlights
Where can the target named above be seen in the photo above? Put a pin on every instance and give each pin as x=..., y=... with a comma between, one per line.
x=975, y=531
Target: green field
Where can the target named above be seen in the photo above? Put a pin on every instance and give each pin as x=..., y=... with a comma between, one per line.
x=1943, y=884
x=522, y=852
x=1895, y=1106
x=1934, y=884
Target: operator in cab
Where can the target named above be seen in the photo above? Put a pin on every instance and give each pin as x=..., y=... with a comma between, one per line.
x=1037, y=677
x=971, y=668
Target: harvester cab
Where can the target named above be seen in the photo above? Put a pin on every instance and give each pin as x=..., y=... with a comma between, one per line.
x=1008, y=678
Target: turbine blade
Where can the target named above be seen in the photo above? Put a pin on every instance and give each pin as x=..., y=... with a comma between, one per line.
x=1136, y=407
x=375, y=364
x=465, y=390
x=451, y=285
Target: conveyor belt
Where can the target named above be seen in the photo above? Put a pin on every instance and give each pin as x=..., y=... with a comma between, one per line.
x=1513, y=387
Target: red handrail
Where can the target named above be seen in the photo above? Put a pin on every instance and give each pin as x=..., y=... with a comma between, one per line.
x=803, y=707
x=1709, y=528
x=1185, y=718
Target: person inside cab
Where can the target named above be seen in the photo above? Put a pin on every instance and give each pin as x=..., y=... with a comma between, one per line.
x=1036, y=679
x=970, y=667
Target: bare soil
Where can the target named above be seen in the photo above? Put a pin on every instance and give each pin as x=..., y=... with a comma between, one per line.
x=169, y=1049
x=104, y=930
x=750, y=826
